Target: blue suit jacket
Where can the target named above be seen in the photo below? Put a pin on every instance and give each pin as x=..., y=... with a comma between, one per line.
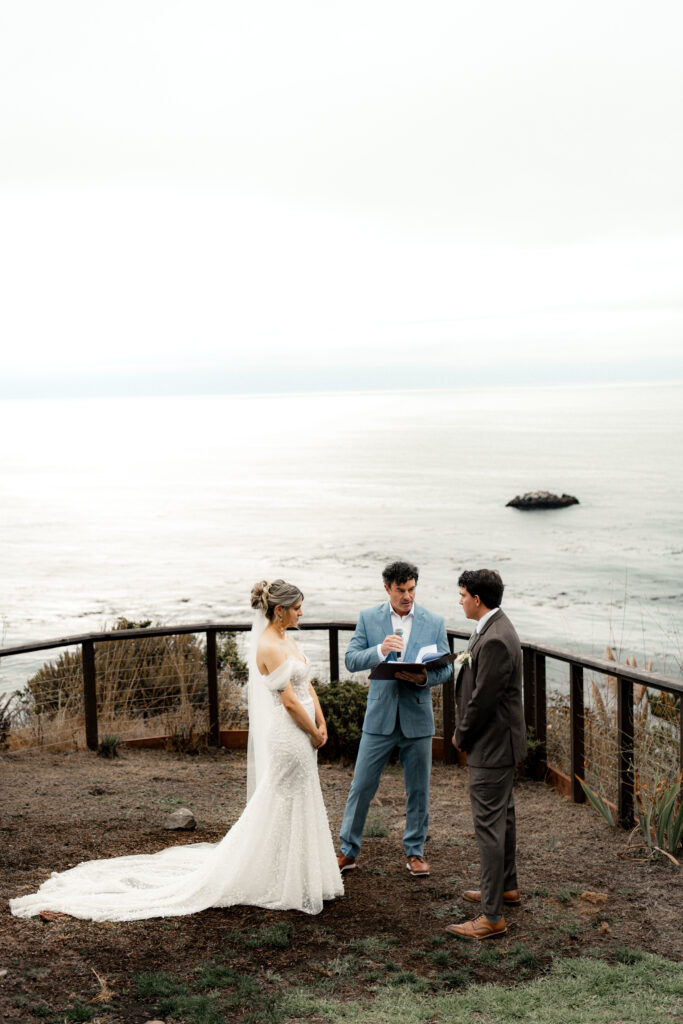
x=414, y=703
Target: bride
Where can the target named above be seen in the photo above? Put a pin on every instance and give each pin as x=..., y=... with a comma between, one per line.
x=279, y=854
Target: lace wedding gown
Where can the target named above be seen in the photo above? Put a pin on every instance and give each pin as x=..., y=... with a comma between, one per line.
x=278, y=855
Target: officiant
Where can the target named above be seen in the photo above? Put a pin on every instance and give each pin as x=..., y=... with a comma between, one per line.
x=399, y=711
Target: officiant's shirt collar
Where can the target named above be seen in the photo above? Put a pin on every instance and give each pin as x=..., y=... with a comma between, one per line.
x=398, y=616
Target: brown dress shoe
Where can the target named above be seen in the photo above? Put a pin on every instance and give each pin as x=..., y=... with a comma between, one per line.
x=345, y=863
x=511, y=896
x=479, y=928
x=417, y=866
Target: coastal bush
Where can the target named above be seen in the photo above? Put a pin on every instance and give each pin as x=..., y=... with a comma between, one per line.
x=156, y=682
x=343, y=705
x=149, y=674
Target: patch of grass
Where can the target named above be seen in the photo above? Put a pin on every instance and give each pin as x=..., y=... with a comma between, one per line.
x=409, y=980
x=343, y=965
x=457, y=978
x=215, y=976
x=490, y=956
x=375, y=825
x=437, y=940
x=540, y=891
x=440, y=958
x=404, y=978
x=520, y=956
x=624, y=955
x=267, y=1013
x=275, y=935
x=193, y=1009
x=41, y=1010
x=571, y=927
x=157, y=984
x=79, y=1012
x=564, y=895
x=576, y=991
x=369, y=944
x=453, y=912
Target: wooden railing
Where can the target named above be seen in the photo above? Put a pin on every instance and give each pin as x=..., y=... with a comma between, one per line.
x=535, y=702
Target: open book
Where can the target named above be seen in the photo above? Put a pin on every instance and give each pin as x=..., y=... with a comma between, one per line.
x=429, y=659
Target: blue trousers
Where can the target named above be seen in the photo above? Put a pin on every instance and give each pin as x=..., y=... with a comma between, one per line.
x=373, y=754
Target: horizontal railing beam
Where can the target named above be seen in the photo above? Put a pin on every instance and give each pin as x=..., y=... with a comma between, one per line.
x=601, y=665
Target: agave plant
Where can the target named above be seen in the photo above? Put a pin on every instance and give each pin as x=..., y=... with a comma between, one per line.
x=660, y=816
x=598, y=802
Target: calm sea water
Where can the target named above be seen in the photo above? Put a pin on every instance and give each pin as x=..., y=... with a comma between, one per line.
x=170, y=508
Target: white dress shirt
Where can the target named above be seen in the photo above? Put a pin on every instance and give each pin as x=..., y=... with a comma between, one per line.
x=480, y=624
x=405, y=623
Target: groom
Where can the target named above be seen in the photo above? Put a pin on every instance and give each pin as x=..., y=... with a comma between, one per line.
x=398, y=714
x=490, y=729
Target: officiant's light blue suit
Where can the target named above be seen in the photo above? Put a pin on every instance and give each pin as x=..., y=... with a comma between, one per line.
x=397, y=714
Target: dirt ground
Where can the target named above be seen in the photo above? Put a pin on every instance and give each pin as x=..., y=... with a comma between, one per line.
x=59, y=809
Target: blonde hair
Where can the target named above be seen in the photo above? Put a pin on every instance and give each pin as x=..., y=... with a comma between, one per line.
x=266, y=596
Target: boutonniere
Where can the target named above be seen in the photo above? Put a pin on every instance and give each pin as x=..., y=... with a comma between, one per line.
x=464, y=658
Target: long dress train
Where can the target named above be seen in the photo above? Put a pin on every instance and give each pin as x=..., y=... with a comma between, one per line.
x=278, y=855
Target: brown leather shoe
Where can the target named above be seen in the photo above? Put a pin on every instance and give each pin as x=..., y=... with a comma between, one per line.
x=511, y=896
x=479, y=928
x=418, y=866
x=345, y=863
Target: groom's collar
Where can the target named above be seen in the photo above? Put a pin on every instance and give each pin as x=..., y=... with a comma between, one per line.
x=485, y=618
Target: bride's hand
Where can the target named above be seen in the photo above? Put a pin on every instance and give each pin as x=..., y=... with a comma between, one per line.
x=317, y=739
x=322, y=729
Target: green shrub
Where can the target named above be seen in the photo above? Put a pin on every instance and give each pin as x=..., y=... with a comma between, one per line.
x=228, y=656
x=343, y=705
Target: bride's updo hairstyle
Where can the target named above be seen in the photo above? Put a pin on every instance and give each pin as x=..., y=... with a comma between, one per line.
x=266, y=596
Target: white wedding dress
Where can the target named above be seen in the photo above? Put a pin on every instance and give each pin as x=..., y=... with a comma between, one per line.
x=278, y=855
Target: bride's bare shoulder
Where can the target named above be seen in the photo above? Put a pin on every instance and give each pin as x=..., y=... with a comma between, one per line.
x=270, y=654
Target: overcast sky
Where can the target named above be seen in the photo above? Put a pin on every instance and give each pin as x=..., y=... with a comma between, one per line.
x=222, y=196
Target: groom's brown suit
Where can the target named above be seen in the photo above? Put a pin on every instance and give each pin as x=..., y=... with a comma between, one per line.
x=490, y=729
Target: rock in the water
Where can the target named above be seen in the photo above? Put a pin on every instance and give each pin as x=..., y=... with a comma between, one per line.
x=182, y=818
x=542, y=499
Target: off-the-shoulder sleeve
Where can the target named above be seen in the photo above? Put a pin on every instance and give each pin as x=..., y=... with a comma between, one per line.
x=278, y=679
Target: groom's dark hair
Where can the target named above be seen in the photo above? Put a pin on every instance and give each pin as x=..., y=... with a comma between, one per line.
x=399, y=572
x=485, y=584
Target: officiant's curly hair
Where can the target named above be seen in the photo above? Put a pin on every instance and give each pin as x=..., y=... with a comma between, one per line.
x=485, y=584
x=399, y=572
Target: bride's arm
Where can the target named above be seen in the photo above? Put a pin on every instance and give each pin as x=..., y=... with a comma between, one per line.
x=270, y=660
x=319, y=716
x=302, y=718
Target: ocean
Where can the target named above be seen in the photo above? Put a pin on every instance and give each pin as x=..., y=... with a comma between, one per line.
x=170, y=508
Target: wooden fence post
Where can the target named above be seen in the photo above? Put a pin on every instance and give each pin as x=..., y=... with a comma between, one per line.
x=90, y=694
x=576, y=716
x=333, y=636
x=540, y=717
x=625, y=739
x=212, y=681
x=528, y=663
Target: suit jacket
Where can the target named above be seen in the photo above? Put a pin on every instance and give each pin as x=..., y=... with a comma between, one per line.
x=414, y=703
x=488, y=696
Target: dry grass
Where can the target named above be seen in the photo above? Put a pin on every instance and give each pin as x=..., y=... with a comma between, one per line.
x=655, y=726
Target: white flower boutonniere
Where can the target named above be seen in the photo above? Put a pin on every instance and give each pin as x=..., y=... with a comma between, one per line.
x=464, y=658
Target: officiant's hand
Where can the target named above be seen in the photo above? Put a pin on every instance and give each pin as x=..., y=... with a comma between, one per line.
x=418, y=677
x=391, y=643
